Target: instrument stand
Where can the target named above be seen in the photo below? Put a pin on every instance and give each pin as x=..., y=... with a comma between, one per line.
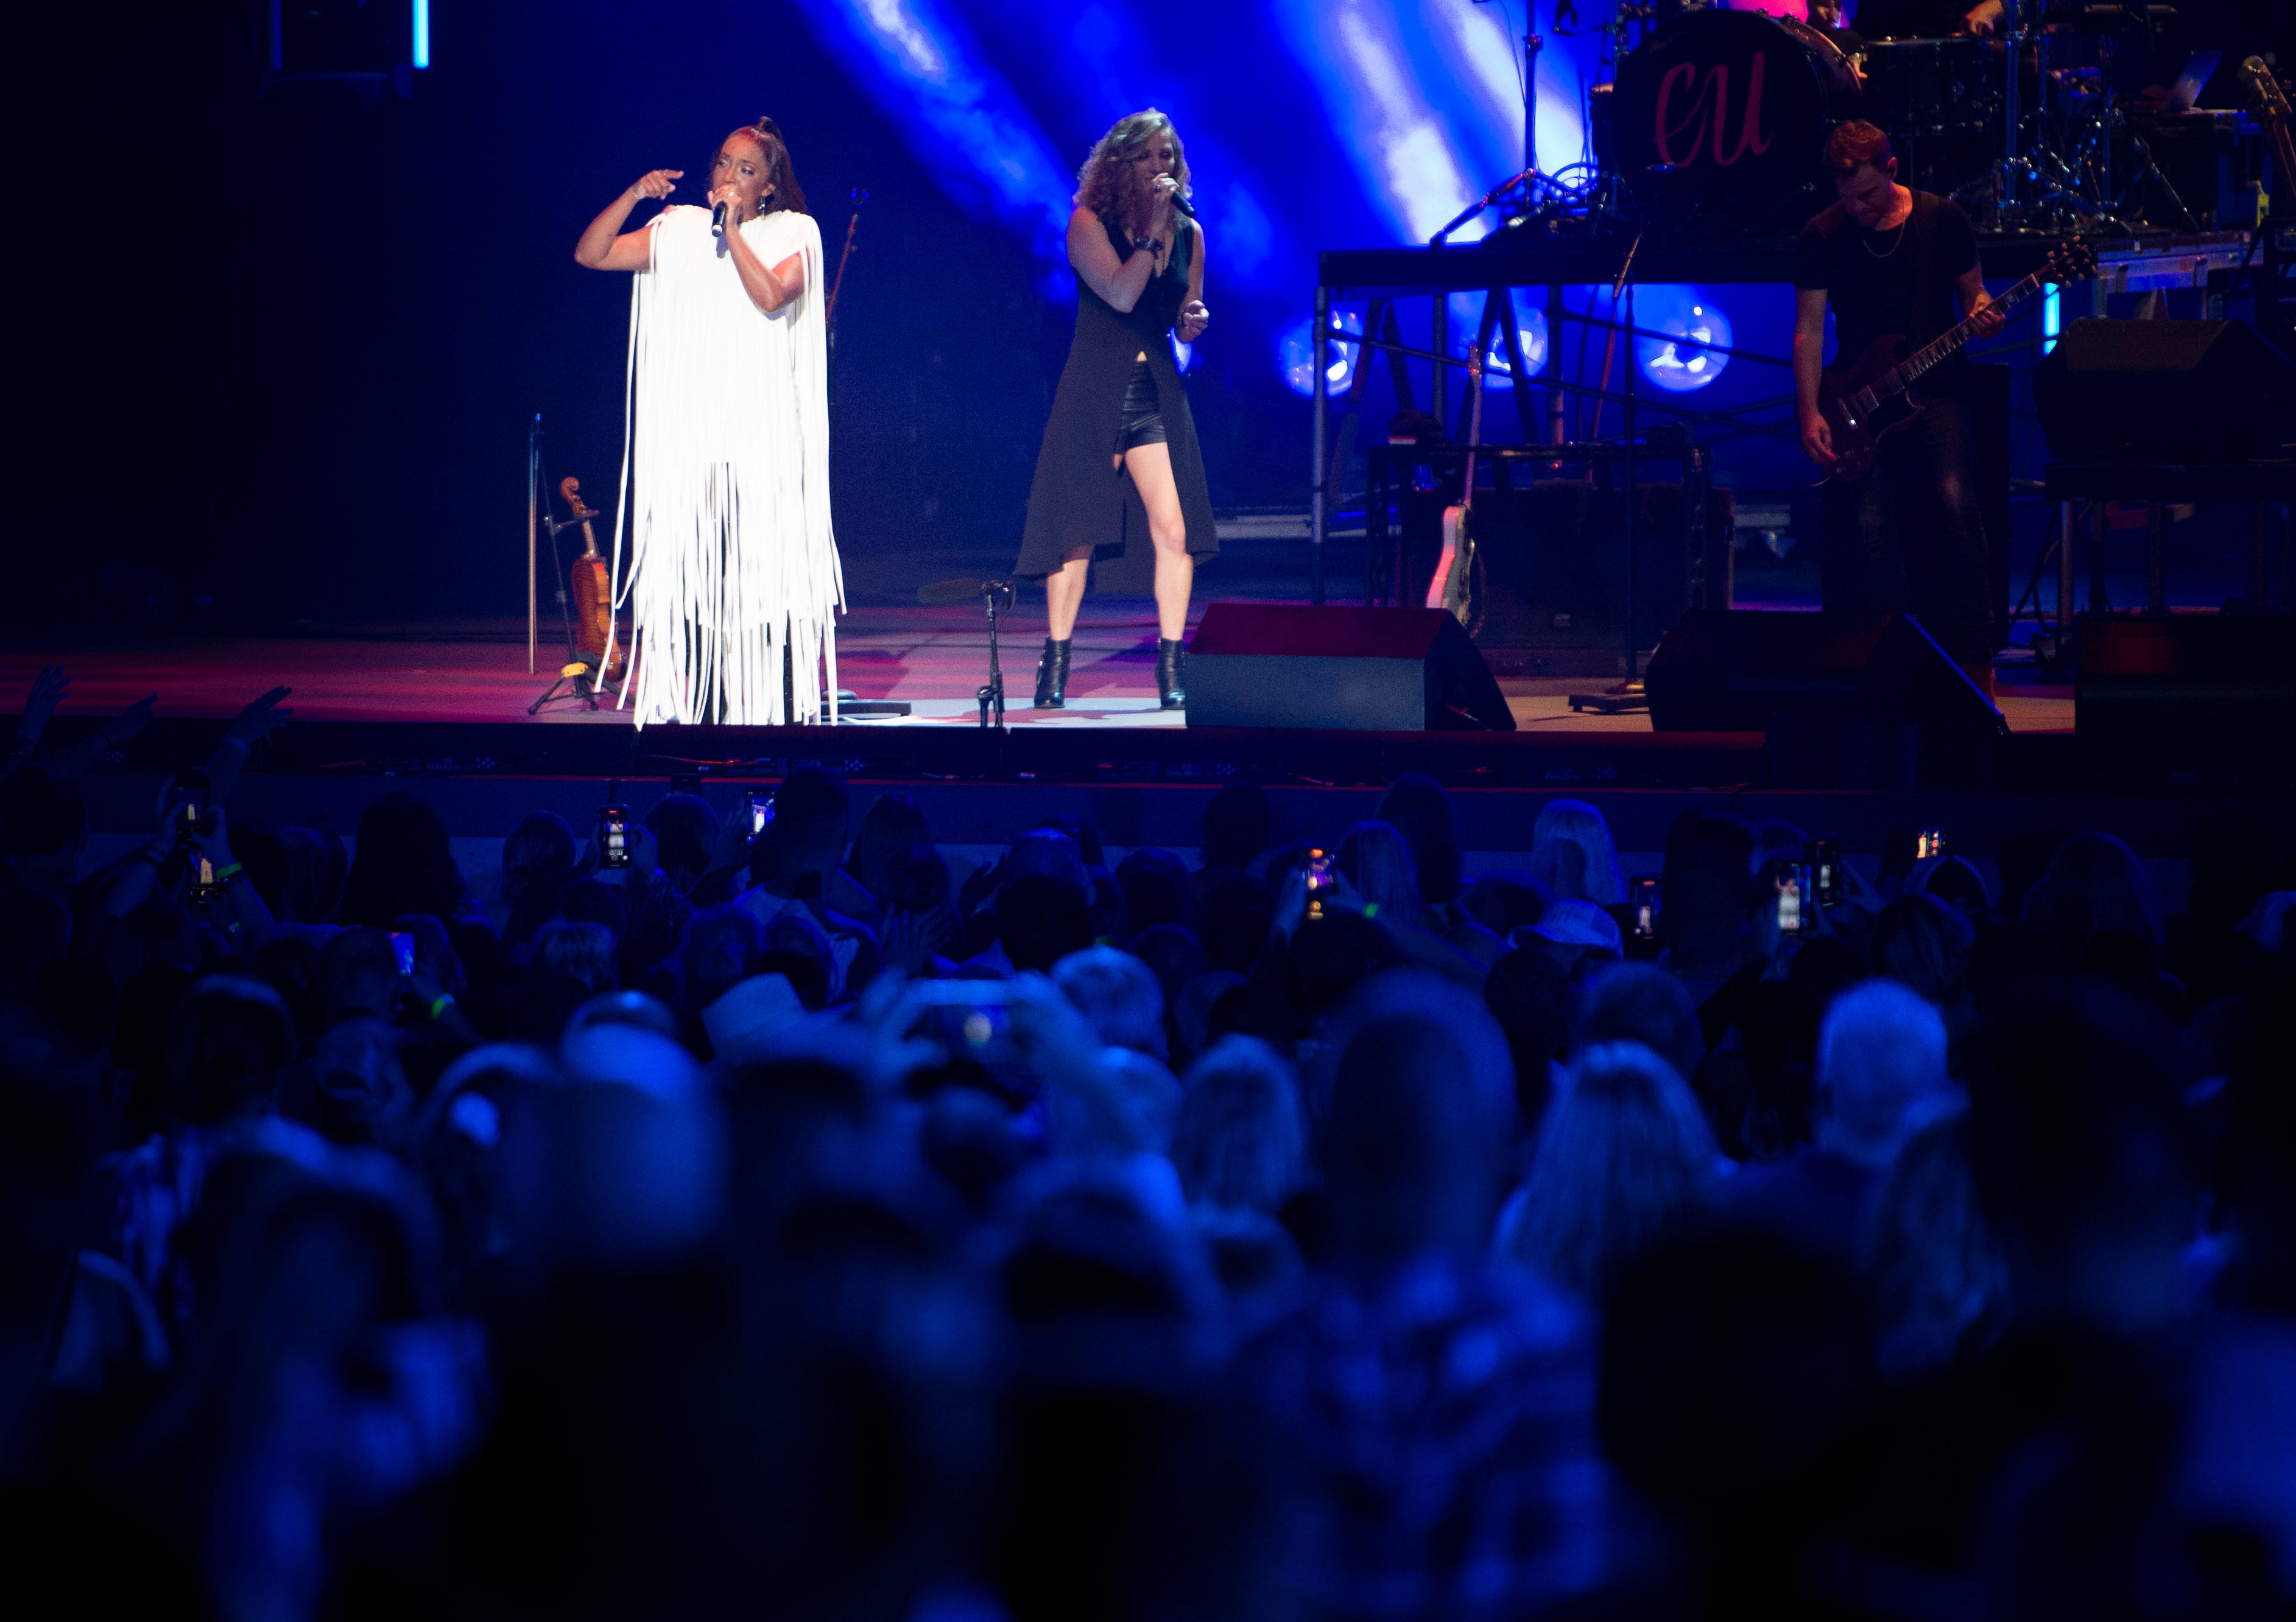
x=2007, y=176
x=1627, y=697
x=2109, y=122
x=994, y=594
x=577, y=674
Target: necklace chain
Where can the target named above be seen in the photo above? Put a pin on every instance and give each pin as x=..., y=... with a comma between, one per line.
x=1893, y=247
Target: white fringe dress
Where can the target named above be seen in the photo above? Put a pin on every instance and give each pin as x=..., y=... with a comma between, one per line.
x=726, y=485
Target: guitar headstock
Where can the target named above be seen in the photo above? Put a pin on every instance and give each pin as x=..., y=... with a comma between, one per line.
x=570, y=490
x=2071, y=260
x=2267, y=99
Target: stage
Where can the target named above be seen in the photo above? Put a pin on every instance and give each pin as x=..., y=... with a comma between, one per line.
x=442, y=709
x=934, y=659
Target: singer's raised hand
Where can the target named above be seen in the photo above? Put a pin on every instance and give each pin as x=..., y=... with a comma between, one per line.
x=605, y=245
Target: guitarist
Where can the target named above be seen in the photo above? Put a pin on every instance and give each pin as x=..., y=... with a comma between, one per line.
x=1907, y=536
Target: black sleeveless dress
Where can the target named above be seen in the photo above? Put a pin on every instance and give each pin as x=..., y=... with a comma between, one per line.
x=1078, y=499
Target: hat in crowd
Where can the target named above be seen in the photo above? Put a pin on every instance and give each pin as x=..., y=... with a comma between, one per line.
x=1569, y=922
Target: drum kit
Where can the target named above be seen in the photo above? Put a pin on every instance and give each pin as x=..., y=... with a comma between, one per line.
x=1713, y=122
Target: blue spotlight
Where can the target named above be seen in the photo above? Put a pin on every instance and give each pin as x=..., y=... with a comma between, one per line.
x=1679, y=362
x=1466, y=312
x=422, y=52
x=1295, y=357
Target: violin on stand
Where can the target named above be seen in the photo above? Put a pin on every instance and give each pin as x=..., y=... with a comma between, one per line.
x=586, y=606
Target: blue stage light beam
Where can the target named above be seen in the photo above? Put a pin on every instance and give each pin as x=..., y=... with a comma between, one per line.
x=1479, y=49
x=421, y=53
x=922, y=66
x=1358, y=56
x=1114, y=63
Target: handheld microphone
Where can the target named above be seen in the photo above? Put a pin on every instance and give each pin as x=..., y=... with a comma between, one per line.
x=1182, y=204
x=718, y=220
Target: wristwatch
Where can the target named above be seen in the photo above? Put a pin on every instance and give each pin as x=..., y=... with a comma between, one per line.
x=1154, y=245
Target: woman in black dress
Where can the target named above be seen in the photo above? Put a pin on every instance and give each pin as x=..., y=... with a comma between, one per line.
x=1119, y=475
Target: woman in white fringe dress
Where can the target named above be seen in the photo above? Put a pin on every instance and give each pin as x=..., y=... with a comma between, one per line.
x=733, y=574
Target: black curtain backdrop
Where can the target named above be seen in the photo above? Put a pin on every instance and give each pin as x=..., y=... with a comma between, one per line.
x=281, y=351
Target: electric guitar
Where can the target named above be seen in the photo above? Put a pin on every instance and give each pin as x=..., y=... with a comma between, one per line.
x=1872, y=399
x=1451, y=586
x=593, y=592
x=2269, y=103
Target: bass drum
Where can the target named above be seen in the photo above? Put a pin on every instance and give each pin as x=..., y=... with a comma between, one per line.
x=1718, y=122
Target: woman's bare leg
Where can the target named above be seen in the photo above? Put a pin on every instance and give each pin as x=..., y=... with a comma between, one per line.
x=1064, y=593
x=1150, y=467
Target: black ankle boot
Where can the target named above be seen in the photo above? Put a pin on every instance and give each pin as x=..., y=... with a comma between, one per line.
x=1171, y=682
x=1053, y=675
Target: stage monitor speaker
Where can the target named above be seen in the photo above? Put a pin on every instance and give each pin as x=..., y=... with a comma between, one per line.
x=1736, y=671
x=2187, y=697
x=2164, y=391
x=1377, y=669
x=1871, y=704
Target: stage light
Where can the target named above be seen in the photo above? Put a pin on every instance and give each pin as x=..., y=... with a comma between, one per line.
x=1466, y=313
x=421, y=52
x=1678, y=363
x=1294, y=355
x=2052, y=317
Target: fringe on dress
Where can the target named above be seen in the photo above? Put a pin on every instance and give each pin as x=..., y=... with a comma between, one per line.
x=732, y=563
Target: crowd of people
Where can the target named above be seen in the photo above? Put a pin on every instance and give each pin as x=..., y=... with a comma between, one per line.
x=781, y=1221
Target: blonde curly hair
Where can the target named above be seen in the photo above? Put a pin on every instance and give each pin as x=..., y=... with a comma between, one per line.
x=1114, y=186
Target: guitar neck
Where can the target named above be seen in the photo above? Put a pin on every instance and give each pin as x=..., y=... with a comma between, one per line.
x=2283, y=165
x=1934, y=354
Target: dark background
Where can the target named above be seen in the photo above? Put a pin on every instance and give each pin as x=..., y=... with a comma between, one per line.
x=278, y=366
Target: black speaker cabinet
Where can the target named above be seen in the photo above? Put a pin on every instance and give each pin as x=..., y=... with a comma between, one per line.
x=1377, y=669
x=1872, y=704
x=2170, y=391
x=2193, y=697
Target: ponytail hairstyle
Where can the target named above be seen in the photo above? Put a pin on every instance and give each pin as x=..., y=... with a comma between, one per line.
x=779, y=170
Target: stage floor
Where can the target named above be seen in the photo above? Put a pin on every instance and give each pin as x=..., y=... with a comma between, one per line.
x=934, y=658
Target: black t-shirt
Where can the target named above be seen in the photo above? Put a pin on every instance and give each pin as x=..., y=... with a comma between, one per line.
x=1869, y=279
x=1909, y=19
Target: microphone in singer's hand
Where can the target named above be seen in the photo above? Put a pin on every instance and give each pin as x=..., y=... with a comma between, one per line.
x=718, y=220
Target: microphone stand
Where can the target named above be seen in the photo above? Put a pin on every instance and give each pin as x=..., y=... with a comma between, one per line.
x=994, y=594
x=829, y=315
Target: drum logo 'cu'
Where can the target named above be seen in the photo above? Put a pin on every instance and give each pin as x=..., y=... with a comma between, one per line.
x=1714, y=92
